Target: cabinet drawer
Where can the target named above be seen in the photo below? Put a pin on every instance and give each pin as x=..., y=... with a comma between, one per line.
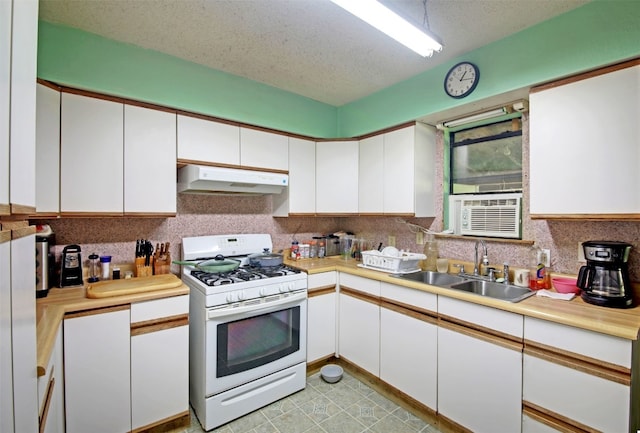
x=581, y=397
x=159, y=308
x=409, y=297
x=325, y=279
x=485, y=317
x=614, y=350
x=361, y=284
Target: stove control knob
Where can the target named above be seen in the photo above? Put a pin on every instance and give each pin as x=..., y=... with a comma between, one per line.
x=241, y=296
x=231, y=298
x=282, y=288
x=262, y=292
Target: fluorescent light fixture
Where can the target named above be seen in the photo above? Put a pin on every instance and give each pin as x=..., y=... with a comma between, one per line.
x=475, y=118
x=390, y=23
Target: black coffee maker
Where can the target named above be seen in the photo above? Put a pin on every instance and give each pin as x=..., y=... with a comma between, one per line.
x=605, y=279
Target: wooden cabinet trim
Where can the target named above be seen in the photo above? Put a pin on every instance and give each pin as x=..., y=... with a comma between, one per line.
x=5, y=236
x=507, y=343
x=360, y=295
x=554, y=420
x=585, y=75
x=319, y=291
x=161, y=324
x=481, y=329
x=47, y=404
x=5, y=209
x=95, y=311
x=587, y=217
x=409, y=310
x=585, y=364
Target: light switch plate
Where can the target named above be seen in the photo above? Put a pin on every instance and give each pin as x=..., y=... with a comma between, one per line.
x=544, y=257
x=581, y=253
x=419, y=237
x=391, y=241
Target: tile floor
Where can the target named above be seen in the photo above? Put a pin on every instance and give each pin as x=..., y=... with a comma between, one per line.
x=348, y=406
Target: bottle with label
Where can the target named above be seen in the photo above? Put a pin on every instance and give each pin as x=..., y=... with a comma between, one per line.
x=295, y=250
x=321, y=248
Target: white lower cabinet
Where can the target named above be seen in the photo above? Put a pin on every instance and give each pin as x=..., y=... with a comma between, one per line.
x=51, y=391
x=321, y=316
x=577, y=377
x=359, y=322
x=479, y=370
x=159, y=360
x=97, y=371
x=408, y=342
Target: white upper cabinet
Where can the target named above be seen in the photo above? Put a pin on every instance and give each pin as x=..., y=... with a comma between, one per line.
x=149, y=160
x=337, y=177
x=5, y=105
x=397, y=172
x=585, y=144
x=371, y=175
x=262, y=149
x=47, y=150
x=22, y=158
x=300, y=196
x=91, y=160
x=206, y=141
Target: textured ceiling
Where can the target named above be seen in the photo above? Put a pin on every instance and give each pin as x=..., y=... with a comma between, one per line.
x=308, y=47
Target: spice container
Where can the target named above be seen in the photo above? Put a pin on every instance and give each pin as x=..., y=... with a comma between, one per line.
x=304, y=251
x=313, y=249
x=105, y=264
x=295, y=250
x=321, y=248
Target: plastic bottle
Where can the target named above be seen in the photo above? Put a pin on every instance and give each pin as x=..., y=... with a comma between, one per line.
x=321, y=249
x=431, y=251
x=295, y=250
x=105, y=263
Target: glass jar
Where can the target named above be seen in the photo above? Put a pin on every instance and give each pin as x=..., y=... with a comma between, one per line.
x=431, y=251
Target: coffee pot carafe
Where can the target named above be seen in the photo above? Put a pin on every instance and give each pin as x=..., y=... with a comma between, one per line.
x=605, y=278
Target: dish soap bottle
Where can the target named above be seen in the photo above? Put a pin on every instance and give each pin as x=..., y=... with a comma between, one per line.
x=431, y=251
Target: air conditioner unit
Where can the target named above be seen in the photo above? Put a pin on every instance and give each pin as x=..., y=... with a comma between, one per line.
x=491, y=215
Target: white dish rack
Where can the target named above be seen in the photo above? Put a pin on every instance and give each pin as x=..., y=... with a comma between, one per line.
x=403, y=263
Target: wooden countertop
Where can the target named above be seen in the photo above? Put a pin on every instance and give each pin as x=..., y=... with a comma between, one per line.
x=50, y=312
x=623, y=323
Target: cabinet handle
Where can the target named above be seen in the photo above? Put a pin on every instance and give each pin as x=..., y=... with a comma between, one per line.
x=47, y=404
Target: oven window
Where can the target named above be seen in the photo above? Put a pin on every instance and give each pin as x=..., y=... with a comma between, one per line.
x=249, y=343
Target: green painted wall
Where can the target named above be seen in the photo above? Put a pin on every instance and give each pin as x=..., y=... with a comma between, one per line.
x=79, y=59
x=599, y=33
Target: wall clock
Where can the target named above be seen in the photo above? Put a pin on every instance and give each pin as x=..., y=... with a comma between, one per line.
x=461, y=80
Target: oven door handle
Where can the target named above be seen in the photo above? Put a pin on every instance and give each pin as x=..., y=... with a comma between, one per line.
x=294, y=298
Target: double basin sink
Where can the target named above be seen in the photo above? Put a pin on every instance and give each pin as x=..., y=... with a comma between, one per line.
x=471, y=284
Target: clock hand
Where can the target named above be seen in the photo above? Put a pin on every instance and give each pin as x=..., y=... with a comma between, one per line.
x=465, y=73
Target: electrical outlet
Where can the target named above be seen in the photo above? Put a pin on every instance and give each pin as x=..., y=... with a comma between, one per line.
x=391, y=241
x=581, y=253
x=420, y=237
x=544, y=257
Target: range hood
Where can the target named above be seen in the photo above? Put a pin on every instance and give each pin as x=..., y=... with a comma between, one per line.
x=200, y=179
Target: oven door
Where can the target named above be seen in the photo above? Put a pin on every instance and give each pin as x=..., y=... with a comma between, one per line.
x=252, y=341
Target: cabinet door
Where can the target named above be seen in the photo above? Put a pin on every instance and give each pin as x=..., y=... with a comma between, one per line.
x=149, y=161
x=302, y=176
x=261, y=149
x=22, y=159
x=51, y=391
x=593, y=123
x=159, y=360
x=479, y=382
x=408, y=355
x=6, y=369
x=359, y=334
x=321, y=330
x=399, y=173
x=371, y=175
x=159, y=375
x=47, y=150
x=5, y=106
x=91, y=158
x=23, y=331
x=337, y=177
x=97, y=372
x=202, y=140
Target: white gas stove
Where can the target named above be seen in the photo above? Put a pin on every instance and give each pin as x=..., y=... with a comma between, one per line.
x=247, y=329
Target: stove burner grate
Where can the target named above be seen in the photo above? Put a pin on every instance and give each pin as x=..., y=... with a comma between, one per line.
x=244, y=273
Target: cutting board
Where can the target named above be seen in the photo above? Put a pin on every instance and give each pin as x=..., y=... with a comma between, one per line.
x=105, y=289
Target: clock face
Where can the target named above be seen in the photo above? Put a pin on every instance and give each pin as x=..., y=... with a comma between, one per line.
x=461, y=80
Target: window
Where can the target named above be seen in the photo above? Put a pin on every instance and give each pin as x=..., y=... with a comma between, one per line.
x=486, y=159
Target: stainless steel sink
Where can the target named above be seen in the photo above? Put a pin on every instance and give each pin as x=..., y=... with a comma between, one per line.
x=493, y=290
x=433, y=278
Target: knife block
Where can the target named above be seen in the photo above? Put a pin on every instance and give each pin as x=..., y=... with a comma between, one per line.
x=141, y=269
x=162, y=265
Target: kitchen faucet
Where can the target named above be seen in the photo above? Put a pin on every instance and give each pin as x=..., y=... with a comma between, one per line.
x=485, y=257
